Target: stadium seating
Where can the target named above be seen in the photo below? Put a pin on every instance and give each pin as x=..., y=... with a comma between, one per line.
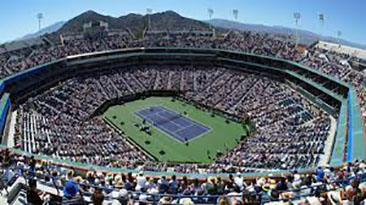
x=334, y=64
x=346, y=184
x=57, y=122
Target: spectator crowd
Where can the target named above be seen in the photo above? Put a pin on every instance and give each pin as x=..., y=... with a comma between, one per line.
x=56, y=184
x=338, y=65
x=291, y=132
x=57, y=122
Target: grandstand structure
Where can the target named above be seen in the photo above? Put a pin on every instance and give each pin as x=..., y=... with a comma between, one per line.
x=311, y=103
x=335, y=97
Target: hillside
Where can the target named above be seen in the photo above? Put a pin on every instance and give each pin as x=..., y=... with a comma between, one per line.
x=170, y=20
x=75, y=25
x=306, y=37
x=46, y=30
x=167, y=20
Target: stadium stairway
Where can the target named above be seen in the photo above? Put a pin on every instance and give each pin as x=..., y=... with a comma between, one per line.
x=17, y=192
x=329, y=143
x=10, y=142
x=20, y=198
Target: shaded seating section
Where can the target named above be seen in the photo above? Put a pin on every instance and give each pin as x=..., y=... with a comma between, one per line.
x=57, y=122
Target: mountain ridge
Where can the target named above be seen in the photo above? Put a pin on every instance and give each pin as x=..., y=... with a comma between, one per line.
x=170, y=20
x=306, y=37
x=46, y=30
x=135, y=22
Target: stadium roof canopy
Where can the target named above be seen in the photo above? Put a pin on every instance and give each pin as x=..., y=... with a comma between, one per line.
x=352, y=51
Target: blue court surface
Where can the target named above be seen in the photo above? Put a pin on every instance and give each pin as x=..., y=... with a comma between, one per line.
x=172, y=123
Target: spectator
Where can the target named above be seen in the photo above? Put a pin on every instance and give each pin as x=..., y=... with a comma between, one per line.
x=71, y=194
x=173, y=185
x=33, y=196
x=97, y=197
x=224, y=200
x=166, y=200
x=141, y=182
x=120, y=197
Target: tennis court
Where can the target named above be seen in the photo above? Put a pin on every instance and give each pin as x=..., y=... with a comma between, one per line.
x=207, y=134
x=174, y=124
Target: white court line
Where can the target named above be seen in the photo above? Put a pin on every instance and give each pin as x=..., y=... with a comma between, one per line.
x=161, y=128
x=168, y=120
x=192, y=123
x=174, y=134
x=148, y=108
x=178, y=130
x=189, y=119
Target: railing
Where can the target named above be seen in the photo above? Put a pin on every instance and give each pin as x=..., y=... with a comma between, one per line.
x=83, y=167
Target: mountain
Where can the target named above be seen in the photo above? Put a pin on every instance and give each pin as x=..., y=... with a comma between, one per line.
x=49, y=29
x=75, y=25
x=173, y=21
x=168, y=20
x=306, y=37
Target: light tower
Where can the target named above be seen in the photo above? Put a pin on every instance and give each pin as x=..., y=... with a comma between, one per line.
x=39, y=17
x=210, y=13
x=236, y=13
x=339, y=34
x=148, y=12
x=321, y=20
x=297, y=16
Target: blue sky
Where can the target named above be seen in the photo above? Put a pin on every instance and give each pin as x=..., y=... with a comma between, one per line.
x=18, y=17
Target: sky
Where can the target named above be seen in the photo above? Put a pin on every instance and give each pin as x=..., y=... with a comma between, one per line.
x=19, y=17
